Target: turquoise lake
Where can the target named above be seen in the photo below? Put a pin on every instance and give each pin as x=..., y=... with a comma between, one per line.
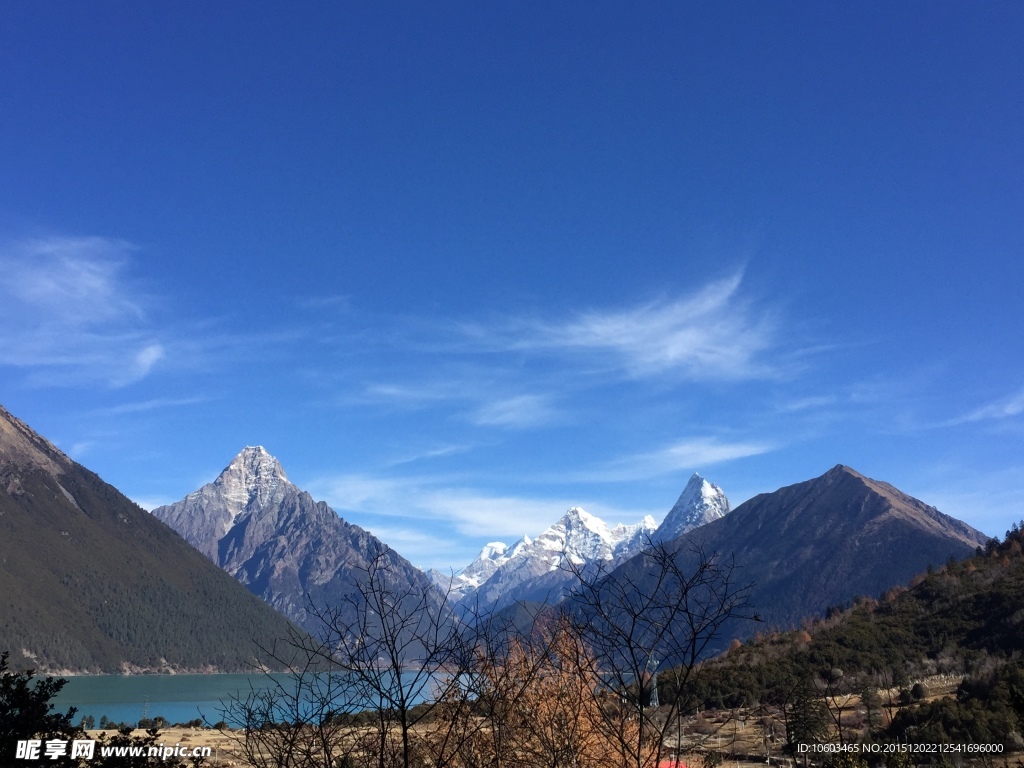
x=177, y=698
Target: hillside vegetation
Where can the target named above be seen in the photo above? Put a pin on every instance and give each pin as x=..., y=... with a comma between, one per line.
x=964, y=621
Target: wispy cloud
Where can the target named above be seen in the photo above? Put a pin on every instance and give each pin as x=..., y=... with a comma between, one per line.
x=1005, y=408
x=516, y=412
x=418, y=395
x=990, y=499
x=77, y=281
x=427, y=454
x=482, y=402
x=66, y=305
x=682, y=456
x=334, y=302
x=712, y=333
x=79, y=449
x=811, y=403
x=71, y=313
x=481, y=368
x=154, y=404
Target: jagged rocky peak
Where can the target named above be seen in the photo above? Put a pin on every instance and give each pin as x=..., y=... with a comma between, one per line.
x=252, y=475
x=700, y=503
x=285, y=546
x=254, y=480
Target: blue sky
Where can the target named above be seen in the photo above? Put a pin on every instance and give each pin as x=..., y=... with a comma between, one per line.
x=460, y=266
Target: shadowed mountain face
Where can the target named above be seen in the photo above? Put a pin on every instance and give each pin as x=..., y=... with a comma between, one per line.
x=825, y=541
x=285, y=547
x=92, y=582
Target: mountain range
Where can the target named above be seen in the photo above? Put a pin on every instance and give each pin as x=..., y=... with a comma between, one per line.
x=92, y=582
x=541, y=569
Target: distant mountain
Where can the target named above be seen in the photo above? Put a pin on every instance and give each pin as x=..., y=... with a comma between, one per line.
x=285, y=547
x=93, y=583
x=822, y=542
x=537, y=569
x=534, y=570
x=700, y=503
x=458, y=585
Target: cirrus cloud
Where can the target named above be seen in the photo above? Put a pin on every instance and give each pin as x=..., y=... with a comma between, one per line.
x=68, y=312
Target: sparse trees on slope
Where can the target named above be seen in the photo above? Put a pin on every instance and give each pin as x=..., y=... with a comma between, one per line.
x=576, y=692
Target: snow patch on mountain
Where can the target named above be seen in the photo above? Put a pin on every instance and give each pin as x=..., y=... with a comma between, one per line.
x=254, y=476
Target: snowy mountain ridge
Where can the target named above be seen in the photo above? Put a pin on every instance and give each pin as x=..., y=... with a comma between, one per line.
x=577, y=539
x=501, y=574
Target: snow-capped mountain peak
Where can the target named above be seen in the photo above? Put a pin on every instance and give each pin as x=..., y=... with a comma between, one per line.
x=698, y=504
x=493, y=550
x=578, y=538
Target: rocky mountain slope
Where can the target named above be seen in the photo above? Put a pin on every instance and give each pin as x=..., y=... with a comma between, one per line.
x=92, y=582
x=288, y=549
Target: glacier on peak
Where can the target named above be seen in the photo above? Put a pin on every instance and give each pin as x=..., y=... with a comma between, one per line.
x=493, y=549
